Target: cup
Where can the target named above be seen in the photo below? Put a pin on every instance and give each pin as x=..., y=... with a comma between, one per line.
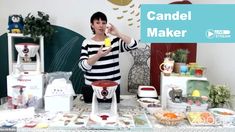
x=167, y=67
x=192, y=66
x=200, y=71
x=183, y=69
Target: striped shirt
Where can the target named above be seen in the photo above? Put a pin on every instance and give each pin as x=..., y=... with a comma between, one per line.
x=107, y=67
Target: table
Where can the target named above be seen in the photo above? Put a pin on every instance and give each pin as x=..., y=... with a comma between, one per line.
x=129, y=105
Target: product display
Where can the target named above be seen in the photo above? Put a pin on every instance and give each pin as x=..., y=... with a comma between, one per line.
x=104, y=90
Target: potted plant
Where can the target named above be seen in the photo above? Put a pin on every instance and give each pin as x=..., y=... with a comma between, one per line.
x=36, y=26
x=219, y=96
x=180, y=57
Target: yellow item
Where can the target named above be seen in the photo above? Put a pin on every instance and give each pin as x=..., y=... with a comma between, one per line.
x=42, y=125
x=196, y=93
x=107, y=42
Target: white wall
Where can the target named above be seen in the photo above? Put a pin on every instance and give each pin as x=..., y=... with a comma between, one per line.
x=75, y=15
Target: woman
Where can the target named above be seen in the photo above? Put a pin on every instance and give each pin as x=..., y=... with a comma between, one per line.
x=99, y=63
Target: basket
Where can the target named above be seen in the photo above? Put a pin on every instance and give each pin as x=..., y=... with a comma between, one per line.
x=167, y=120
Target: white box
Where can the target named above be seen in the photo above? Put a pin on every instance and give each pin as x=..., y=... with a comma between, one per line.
x=58, y=103
x=32, y=89
x=180, y=81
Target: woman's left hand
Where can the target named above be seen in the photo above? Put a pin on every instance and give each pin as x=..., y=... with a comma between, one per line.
x=112, y=30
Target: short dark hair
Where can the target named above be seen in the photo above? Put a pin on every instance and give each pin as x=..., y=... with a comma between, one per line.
x=97, y=16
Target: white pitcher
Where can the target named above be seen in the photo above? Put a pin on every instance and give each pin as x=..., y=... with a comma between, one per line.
x=167, y=66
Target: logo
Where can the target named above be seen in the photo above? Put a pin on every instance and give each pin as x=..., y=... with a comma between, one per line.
x=24, y=80
x=211, y=33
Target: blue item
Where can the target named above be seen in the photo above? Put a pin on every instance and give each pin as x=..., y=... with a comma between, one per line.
x=15, y=24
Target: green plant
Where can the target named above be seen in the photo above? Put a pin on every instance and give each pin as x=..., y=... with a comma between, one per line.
x=219, y=95
x=180, y=55
x=36, y=26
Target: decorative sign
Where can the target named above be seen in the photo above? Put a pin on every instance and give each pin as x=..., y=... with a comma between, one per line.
x=211, y=23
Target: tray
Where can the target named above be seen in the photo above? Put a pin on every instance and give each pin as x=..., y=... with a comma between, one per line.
x=201, y=118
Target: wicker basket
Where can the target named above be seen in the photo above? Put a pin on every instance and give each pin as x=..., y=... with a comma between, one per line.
x=169, y=121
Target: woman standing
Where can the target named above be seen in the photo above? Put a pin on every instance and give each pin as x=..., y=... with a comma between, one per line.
x=99, y=62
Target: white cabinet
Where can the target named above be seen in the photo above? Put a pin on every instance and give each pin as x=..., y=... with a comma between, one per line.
x=12, y=57
x=181, y=81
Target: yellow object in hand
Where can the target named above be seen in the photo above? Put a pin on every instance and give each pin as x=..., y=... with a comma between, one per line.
x=196, y=93
x=107, y=42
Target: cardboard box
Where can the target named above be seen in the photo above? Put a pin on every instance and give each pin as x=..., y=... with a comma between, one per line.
x=58, y=103
x=26, y=90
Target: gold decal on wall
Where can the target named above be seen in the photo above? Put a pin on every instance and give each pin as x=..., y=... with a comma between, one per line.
x=132, y=6
x=130, y=24
x=120, y=2
x=115, y=8
x=125, y=11
x=132, y=12
x=120, y=17
x=130, y=19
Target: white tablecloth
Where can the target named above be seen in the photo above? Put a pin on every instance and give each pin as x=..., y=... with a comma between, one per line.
x=129, y=105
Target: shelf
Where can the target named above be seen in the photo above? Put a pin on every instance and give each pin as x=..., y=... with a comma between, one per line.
x=11, y=50
x=20, y=35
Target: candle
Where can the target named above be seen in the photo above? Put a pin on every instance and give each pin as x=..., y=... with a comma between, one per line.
x=107, y=42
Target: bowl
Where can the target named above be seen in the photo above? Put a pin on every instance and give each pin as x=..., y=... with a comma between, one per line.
x=169, y=117
x=153, y=108
x=144, y=102
x=223, y=116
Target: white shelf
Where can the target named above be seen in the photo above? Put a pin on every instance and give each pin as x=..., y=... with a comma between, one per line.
x=11, y=54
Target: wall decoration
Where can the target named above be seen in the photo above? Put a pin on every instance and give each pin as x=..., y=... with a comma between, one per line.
x=120, y=17
x=130, y=19
x=120, y=2
x=132, y=6
x=125, y=11
x=131, y=12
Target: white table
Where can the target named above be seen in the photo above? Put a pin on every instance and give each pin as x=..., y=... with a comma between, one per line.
x=129, y=102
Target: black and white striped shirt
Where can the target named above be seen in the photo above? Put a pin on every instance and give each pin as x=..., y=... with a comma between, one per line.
x=107, y=67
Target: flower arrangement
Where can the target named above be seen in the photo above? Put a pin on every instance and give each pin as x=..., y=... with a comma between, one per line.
x=219, y=95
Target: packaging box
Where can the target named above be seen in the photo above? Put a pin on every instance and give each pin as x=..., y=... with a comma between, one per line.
x=26, y=90
x=58, y=103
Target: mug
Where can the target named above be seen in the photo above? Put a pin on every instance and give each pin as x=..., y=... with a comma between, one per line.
x=167, y=67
